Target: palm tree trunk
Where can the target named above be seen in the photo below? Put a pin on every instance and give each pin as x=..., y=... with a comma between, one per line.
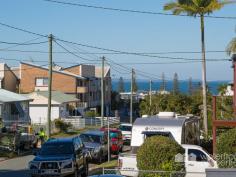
x=204, y=90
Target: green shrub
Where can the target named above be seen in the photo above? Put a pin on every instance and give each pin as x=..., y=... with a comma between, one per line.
x=226, y=149
x=62, y=126
x=91, y=114
x=158, y=154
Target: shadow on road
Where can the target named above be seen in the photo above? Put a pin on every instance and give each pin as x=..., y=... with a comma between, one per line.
x=14, y=173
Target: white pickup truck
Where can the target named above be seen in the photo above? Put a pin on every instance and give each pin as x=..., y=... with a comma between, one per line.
x=184, y=130
x=195, y=158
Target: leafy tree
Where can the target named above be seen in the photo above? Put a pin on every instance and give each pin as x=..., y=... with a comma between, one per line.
x=226, y=149
x=121, y=85
x=175, y=84
x=190, y=86
x=158, y=154
x=163, y=82
x=198, y=8
x=231, y=47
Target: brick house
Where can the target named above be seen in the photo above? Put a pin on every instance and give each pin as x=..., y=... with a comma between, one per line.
x=79, y=80
x=8, y=79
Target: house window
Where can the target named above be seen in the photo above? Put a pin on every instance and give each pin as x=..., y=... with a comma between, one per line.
x=41, y=82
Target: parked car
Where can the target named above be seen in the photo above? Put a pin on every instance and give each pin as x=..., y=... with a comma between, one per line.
x=126, y=130
x=60, y=157
x=95, y=142
x=116, y=140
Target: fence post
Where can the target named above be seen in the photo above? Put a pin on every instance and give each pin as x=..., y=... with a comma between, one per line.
x=103, y=170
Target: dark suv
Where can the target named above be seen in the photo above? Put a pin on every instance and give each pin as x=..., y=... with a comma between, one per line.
x=95, y=142
x=60, y=157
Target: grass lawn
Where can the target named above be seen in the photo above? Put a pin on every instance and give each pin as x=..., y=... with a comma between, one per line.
x=112, y=164
x=73, y=132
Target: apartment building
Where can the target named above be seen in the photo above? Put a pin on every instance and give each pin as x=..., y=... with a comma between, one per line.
x=80, y=80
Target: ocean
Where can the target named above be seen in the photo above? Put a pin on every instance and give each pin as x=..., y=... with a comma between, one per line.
x=183, y=85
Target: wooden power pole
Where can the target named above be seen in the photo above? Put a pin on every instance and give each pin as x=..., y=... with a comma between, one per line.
x=131, y=96
x=48, y=127
x=102, y=93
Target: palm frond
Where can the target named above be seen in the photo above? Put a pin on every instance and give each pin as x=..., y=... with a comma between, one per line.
x=231, y=47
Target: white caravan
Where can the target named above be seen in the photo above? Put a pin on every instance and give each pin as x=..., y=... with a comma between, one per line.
x=183, y=129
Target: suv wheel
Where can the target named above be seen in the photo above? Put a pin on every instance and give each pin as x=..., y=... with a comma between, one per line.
x=85, y=170
x=75, y=174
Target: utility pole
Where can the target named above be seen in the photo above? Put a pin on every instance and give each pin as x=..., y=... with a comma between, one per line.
x=48, y=132
x=131, y=96
x=150, y=95
x=102, y=92
x=108, y=139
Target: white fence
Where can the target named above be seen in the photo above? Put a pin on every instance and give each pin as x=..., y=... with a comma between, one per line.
x=98, y=121
x=76, y=122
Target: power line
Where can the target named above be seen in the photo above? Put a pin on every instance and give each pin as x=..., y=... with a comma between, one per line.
x=23, y=30
x=131, y=11
x=73, y=53
x=113, y=53
x=16, y=43
x=134, y=53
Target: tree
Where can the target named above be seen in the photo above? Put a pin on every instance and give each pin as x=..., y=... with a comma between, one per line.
x=158, y=153
x=121, y=85
x=226, y=149
x=175, y=84
x=198, y=8
x=231, y=47
x=190, y=86
x=163, y=82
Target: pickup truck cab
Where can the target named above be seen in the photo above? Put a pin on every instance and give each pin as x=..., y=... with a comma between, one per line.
x=196, y=161
x=60, y=157
x=126, y=130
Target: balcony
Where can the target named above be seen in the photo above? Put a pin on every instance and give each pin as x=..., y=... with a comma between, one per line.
x=82, y=89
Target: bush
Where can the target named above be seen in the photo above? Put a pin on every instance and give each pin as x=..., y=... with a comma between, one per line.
x=90, y=114
x=226, y=149
x=62, y=126
x=158, y=154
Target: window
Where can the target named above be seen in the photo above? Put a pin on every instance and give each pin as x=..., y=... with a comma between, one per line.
x=41, y=82
x=196, y=155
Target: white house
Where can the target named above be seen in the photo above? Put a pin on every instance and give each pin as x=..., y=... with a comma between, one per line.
x=14, y=109
x=62, y=104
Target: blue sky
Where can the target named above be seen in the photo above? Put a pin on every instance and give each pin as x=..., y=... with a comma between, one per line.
x=121, y=31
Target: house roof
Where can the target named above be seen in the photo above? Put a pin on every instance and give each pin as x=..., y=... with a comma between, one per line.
x=57, y=97
x=54, y=70
x=7, y=96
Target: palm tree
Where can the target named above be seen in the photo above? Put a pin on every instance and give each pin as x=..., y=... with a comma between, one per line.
x=198, y=8
x=231, y=48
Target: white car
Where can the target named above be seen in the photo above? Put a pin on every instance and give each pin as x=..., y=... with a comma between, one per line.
x=126, y=130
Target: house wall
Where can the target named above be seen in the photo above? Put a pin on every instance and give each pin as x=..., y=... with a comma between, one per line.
x=9, y=80
x=60, y=82
x=38, y=113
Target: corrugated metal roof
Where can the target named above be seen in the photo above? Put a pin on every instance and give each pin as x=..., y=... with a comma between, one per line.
x=155, y=121
x=58, y=96
x=7, y=96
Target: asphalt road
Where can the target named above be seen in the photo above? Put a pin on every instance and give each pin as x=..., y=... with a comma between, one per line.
x=16, y=167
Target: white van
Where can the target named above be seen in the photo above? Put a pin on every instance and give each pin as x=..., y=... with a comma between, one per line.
x=126, y=129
